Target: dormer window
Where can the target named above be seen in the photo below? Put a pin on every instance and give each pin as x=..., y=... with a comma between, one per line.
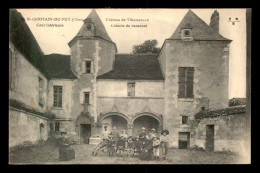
x=88, y=26
x=186, y=35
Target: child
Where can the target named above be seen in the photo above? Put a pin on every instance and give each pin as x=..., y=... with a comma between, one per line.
x=111, y=145
x=137, y=146
x=120, y=146
x=156, y=143
x=164, y=143
x=130, y=146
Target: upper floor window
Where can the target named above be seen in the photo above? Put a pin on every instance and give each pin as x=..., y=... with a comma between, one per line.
x=86, y=98
x=57, y=96
x=88, y=66
x=186, y=82
x=41, y=85
x=131, y=89
x=184, y=119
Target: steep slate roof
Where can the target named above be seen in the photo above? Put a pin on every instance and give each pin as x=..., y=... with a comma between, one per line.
x=200, y=30
x=58, y=66
x=100, y=30
x=135, y=67
x=24, y=41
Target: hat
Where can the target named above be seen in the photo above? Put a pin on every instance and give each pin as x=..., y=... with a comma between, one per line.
x=143, y=128
x=130, y=137
x=166, y=131
x=114, y=128
x=152, y=129
x=137, y=136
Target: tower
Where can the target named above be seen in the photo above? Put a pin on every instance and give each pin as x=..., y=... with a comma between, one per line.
x=194, y=61
x=92, y=54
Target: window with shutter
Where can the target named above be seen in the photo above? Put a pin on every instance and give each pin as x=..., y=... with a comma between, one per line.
x=186, y=82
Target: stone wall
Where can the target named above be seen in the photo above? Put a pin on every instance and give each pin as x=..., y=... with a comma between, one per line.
x=210, y=62
x=25, y=81
x=25, y=127
x=24, y=87
x=230, y=132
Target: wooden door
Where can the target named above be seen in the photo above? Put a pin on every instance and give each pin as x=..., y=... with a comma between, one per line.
x=85, y=133
x=184, y=140
x=210, y=138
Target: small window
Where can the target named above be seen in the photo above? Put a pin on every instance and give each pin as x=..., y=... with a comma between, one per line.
x=41, y=85
x=88, y=66
x=131, y=89
x=57, y=126
x=184, y=119
x=86, y=98
x=57, y=96
x=88, y=26
x=186, y=34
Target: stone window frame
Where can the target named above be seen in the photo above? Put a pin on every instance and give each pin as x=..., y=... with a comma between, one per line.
x=186, y=37
x=84, y=100
x=85, y=68
x=185, y=120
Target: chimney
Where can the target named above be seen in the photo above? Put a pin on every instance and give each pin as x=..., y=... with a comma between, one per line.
x=214, y=21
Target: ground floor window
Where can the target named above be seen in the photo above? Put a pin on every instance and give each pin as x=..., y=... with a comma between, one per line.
x=57, y=126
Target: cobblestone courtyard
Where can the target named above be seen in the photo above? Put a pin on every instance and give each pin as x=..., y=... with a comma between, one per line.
x=48, y=154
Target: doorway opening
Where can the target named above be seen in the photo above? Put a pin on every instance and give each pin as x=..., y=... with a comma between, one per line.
x=85, y=133
x=184, y=140
x=210, y=138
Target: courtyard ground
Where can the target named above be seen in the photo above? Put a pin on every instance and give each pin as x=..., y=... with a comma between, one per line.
x=48, y=154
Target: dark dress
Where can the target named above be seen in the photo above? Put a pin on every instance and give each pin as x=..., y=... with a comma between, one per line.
x=146, y=145
x=137, y=146
x=65, y=152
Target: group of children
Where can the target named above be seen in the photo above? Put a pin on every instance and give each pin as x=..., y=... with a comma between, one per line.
x=143, y=144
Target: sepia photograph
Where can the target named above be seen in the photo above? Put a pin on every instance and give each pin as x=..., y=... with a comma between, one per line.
x=129, y=86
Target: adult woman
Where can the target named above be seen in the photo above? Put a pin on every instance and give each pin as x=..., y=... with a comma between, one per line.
x=147, y=146
x=65, y=152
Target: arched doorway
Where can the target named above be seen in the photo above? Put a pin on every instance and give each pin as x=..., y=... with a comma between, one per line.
x=147, y=121
x=114, y=120
x=83, y=128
